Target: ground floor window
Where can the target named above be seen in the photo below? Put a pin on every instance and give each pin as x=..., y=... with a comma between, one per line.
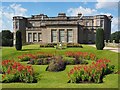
x=69, y=35
x=39, y=37
x=53, y=35
x=29, y=37
x=61, y=35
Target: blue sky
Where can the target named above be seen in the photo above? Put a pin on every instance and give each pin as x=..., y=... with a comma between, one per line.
x=10, y=9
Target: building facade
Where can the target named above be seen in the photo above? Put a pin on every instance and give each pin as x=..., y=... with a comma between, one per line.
x=67, y=29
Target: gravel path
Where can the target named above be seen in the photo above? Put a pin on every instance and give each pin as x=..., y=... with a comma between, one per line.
x=109, y=48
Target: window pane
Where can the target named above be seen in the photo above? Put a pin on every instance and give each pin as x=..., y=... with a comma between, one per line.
x=54, y=36
x=39, y=37
x=69, y=35
x=61, y=36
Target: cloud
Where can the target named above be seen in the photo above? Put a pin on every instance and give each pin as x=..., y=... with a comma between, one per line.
x=114, y=24
x=105, y=4
x=84, y=11
x=89, y=11
x=18, y=10
x=7, y=15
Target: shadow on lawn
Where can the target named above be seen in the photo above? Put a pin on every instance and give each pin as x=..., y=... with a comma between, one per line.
x=29, y=49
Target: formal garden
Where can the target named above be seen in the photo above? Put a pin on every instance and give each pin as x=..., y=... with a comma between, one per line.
x=59, y=65
x=40, y=67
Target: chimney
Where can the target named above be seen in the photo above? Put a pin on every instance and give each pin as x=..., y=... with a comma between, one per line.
x=79, y=14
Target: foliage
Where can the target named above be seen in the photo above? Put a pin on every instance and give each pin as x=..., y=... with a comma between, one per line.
x=100, y=39
x=16, y=72
x=18, y=43
x=7, y=38
x=115, y=36
x=57, y=64
x=91, y=73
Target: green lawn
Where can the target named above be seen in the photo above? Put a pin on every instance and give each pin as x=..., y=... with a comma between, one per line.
x=59, y=79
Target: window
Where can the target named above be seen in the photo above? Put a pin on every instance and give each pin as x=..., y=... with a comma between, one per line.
x=17, y=25
x=98, y=22
x=101, y=23
x=39, y=37
x=34, y=37
x=53, y=36
x=61, y=35
x=29, y=37
x=89, y=37
x=69, y=35
x=87, y=24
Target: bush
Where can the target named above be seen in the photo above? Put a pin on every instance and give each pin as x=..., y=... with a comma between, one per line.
x=115, y=36
x=100, y=39
x=57, y=64
x=7, y=38
x=16, y=72
x=90, y=73
x=18, y=43
x=40, y=61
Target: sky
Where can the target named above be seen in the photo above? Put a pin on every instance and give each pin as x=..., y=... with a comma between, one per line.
x=10, y=9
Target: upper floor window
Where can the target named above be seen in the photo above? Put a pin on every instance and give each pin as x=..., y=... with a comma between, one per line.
x=87, y=24
x=101, y=23
x=98, y=23
x=16, y=25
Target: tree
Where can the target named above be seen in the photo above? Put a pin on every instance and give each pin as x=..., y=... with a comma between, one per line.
x=115, y=36
x=18, y=43
x=100, y=39
x=7, y=38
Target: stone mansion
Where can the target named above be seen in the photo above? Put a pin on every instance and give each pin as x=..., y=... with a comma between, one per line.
x=67, y=29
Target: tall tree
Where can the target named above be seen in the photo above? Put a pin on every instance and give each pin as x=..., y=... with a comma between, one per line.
x=7, y=38
x=18, y=43
x=100, y=39
x=115, y=36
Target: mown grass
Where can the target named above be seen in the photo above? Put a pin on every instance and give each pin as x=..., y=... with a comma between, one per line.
x=59, y=79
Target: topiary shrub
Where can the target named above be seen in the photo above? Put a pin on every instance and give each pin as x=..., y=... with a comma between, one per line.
x=100, y=39
x=57, y=64
x=18, y=44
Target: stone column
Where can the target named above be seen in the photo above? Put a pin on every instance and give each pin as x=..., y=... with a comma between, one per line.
x=66, y=36
x=26, y=37
x=58, y=35
x=37, y=36
x=105, y=43
x=113, y=42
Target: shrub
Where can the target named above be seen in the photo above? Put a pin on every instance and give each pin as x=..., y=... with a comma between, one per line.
x=16, y=72
x=69, y=60
x=74, y=45
x=18, y=43
x=57, y=64
x=90, y=73
x=100, y=39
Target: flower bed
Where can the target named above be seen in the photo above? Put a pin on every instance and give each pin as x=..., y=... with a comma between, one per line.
x=16, y=72
x=82, y=55
x=57, y=64
x=90, y=73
